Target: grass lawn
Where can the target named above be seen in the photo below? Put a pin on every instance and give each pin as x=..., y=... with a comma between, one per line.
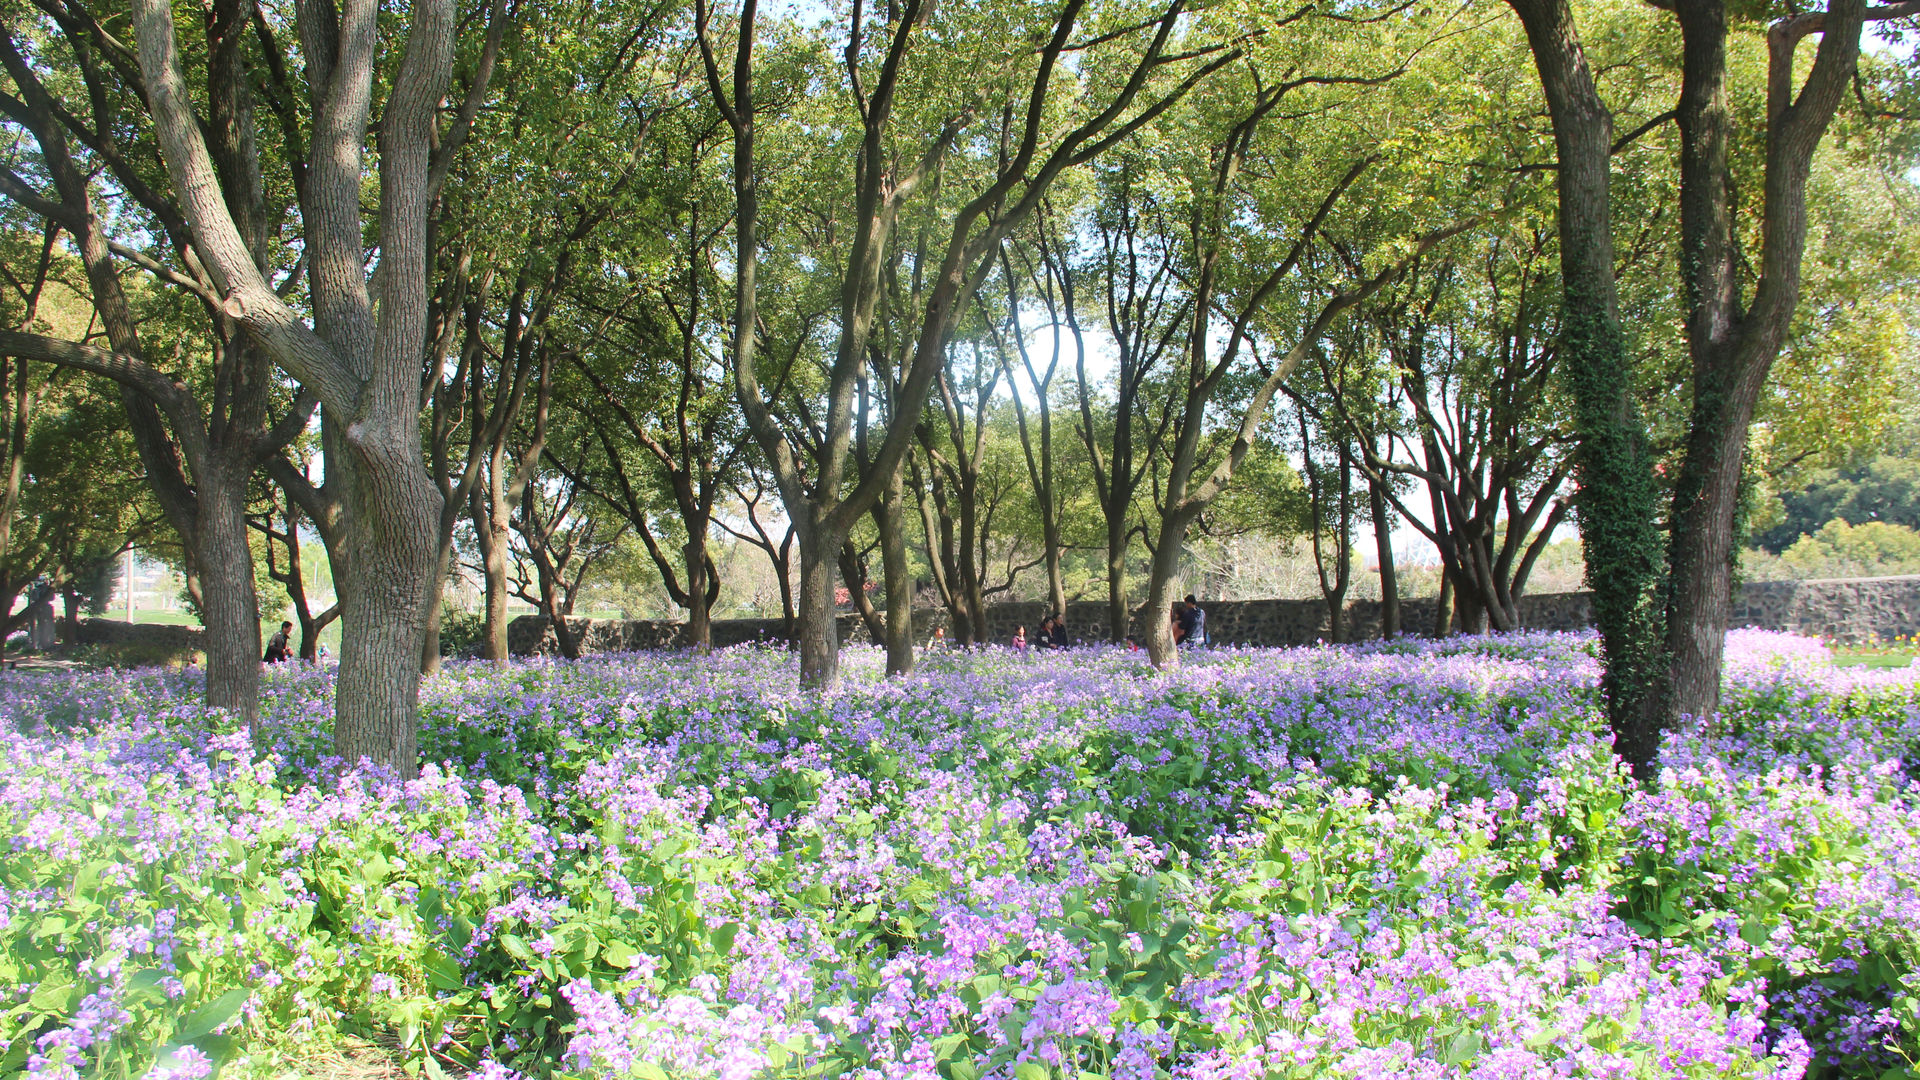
x=1872, y=658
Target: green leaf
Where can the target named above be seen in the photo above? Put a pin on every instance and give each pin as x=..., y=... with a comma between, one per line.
x=1030, y=1070
x=647, y=1070
x=442, y=972
x=722, y=937
x=212, y=1016
x=1465, y=1047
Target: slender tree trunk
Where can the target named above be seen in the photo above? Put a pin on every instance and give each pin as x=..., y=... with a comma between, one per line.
x=889, y=515
x=436, y=603
x=490, y=536
x=1443, y=606
x=1383, y=546
x=855, y=576
x=1117, y=614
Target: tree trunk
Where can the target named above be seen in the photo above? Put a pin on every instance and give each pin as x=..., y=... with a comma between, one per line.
x=1117, y=614
x=817, y=632
x=1161, y=650
x=490, y=536
x=854, y=573
x=230, y=606
x=436, y=603
x=1618, y=500
x=391, y=508
x=699, y=614
x=889, y=515
x=1389, y=577
x=1443, y=607
x=70, y=626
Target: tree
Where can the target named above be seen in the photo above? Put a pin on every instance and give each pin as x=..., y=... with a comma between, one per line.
x=1662, y=607
x=890, y=167
x=360, y=355
x=201, y=435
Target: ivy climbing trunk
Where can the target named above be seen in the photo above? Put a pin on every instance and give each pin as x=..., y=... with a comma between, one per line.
x=1618, y=505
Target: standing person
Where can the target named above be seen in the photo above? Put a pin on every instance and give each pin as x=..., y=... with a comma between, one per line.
x=277, y=650
x=1060, y=632
x=1196, y=623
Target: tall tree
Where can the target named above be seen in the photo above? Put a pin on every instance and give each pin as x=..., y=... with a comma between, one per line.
x=361, y=353
x=1662, y=638
x=1036, y=150
x=201, y=434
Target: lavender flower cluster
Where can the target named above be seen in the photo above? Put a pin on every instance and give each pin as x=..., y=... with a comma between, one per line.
x=1402, y=859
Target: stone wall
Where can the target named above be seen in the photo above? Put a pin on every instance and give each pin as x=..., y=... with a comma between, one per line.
x=159, y=636
x=1851, y=610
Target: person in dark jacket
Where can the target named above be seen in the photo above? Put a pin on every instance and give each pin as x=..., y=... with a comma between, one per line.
x=277, y=649
x=1194, y=621
x=1060, y=640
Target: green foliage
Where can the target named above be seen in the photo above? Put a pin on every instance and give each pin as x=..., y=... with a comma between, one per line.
x=1885, y=490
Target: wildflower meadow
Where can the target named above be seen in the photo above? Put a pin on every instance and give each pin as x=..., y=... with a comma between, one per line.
x=1405, y=859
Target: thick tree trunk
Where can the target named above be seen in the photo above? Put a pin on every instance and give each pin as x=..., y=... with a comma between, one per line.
x=817, y=633
x=391, y=506
x=1161, y=650
x=699, y=615
x=1443, y=607
x=69, y=627
x=230, y=606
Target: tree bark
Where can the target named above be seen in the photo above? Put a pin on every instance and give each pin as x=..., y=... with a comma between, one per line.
x=230, y=606
x=1733, y=350
x=1618, y=499
x=817, y=629
x=1383, y=547
x=890, y=517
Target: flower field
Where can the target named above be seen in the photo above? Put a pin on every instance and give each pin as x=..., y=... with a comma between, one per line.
x=1405, y=859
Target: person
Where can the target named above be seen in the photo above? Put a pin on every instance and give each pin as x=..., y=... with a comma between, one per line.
x=1060, y=632
x=1178, y=619
x=939, y=639
x=1196, y=622
x=277, y=650
x=1020, y=639
x=1043, y=638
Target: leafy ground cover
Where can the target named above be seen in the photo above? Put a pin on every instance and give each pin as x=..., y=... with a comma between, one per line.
x=1405, y=859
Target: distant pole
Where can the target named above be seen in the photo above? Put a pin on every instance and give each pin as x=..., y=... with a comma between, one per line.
x=129, y=582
